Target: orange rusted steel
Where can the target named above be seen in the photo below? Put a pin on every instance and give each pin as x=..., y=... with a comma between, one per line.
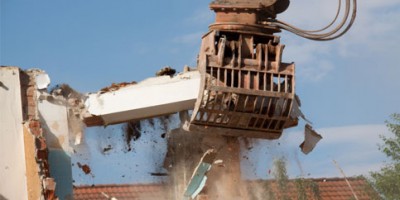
x=247, y=16
x=246, y=88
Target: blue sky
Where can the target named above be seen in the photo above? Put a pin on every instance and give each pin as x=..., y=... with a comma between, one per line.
x=348, y=86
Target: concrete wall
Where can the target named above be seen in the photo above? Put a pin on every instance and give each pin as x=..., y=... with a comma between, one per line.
x=156, y=96
x=13, y=183
x=54, y=121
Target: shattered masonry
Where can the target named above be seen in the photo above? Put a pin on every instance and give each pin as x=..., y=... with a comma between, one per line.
x=241, y=89
x=49, y=124
x=45, y=114
x=29, y=92
x=64, y=108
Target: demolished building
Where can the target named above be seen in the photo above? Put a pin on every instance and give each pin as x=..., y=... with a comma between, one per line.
x=322, y=188
x=241, y=87
x=42, y=126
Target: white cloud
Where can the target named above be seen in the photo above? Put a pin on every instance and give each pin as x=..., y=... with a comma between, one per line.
x=315, y=72
x=200, y=17
x=303, y=52
x=373, y=4
x=312, y=14
x=358, y=133
x=374, y=35
x=199, y=20
x=375, y=30
x=353, y=147
x=189, y=39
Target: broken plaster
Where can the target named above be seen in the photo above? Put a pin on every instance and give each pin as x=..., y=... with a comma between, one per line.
x=42, y=81
x=152, y=97
x=311, y=138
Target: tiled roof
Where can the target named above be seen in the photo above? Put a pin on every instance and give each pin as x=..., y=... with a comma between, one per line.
x=338, y=189
x=325, y=188
x=120, y=192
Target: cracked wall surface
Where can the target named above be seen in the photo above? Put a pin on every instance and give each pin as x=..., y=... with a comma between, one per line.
x=41, y=128
x=24, y=164
x=30, y=87
x=12, y=150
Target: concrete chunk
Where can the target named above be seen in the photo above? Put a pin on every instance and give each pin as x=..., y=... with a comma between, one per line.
x=311, y=138
x=152, y=97
x=42, y=81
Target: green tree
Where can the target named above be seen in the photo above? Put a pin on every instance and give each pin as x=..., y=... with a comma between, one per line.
x=281, y=177
x=387, y=180
x=301, y=189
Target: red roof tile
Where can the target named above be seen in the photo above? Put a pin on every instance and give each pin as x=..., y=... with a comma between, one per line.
x=327, y=188
x=121, y=192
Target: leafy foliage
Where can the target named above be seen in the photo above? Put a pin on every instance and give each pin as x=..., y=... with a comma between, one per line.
x=392, y=145
x=303, y=186
x=280, y=175
x=315, y=190
x=387, y=180
x=301, y=189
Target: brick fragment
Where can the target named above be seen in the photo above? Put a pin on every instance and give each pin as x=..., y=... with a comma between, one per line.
x=41, y=155
x=51, y=195
x=34, y=124
x=49, y=184
x=30, y=91
x=31, y=101
x=32, y=110
x=40, y=143
x=31, y=117
x=38, y=132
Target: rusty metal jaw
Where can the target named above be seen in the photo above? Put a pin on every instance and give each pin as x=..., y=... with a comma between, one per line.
x=245, y=88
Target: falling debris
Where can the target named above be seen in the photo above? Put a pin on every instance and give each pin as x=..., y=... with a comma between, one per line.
x=116, y=86
x=240, y=88
x=132, y=132
x=219, y=163
x=85, y=168
x=166, y=71
x=108, y=197
x=106, y=149
x=311, y=138
x=65, y=91
x=158, y=174
x=199, y=178
x=3, y=86
x=42, y=81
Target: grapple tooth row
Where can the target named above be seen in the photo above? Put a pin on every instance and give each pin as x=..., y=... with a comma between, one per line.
x=245, y=86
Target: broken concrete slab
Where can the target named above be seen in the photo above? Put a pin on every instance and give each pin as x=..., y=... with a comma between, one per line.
x=42, y=81
x=311, y=138
x=199, y=178
x=54, y=120
x=150, y=98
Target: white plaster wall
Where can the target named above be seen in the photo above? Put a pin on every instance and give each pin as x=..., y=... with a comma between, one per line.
x=54, y=121
x=13, y=184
